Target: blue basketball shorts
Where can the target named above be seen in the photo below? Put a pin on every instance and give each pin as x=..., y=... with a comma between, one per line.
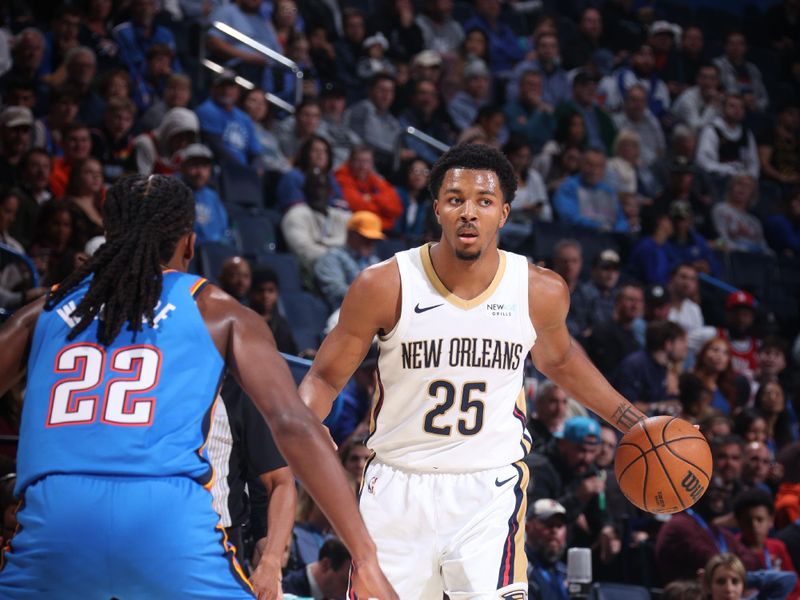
x=85, y=537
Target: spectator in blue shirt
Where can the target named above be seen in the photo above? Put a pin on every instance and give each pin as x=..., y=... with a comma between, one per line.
x=555, y=83
x=648, y=378
x=505, y=48
x=137, y=36
x=211, y=218
x=546, y=543
x=61, y=39
x=783, y=230
x=650, y=260
x=226, y=128
x=529, y=115
x=477, y=92
x=686, y=245
x=250, y=17
x=587, y=199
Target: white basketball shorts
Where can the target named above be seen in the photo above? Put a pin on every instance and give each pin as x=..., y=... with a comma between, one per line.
x=461, y=534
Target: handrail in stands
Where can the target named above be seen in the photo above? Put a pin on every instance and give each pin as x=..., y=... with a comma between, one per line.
x=266, y=51
x=719, y=284
x=424, y=137
x=249, y=85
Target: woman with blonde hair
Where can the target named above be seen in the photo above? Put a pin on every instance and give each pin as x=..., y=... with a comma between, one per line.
x=723, y=578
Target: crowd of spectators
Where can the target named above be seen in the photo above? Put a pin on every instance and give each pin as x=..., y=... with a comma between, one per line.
x=660, y=142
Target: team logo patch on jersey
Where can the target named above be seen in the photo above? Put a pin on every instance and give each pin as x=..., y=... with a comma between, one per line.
x=501, y=310
x=515, y=595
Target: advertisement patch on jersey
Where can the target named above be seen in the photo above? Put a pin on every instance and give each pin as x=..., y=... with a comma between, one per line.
x=501, y=310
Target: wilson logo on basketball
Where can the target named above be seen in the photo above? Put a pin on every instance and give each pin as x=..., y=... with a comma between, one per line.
x=691, y=484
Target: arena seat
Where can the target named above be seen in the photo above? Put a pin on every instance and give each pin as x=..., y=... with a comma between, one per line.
x=286, y=267
x=240, y=184
x=256, y=234
x=210, y=257
x=307, y=316
x=387, y=248
x=619, y=591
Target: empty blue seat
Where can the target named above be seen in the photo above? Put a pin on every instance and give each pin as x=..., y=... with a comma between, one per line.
x=240, y=184
x=389, y=247
x=256, y=234
x=619, y=591
x=210, y=257
x=306, y=315
x=287, y=269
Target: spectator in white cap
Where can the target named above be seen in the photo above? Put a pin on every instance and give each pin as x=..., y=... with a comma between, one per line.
x=211, y=218
x=476, y=93
x=546, y=529
x=374, y=60
x=664, y=38
x=154, y=151
x=15, y=139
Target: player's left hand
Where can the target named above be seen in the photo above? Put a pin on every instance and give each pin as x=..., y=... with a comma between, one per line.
x=266, y=580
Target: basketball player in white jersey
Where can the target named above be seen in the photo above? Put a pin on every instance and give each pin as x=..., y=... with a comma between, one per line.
x=444, y=492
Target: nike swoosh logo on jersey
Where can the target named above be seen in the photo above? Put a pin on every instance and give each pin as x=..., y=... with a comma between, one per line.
x=419, y=310
x=502, y=483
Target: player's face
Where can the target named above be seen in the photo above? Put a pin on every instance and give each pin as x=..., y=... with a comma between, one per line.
x=471, y=209
x=726, y=584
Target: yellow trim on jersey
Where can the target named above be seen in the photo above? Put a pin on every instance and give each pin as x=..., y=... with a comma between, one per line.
x=520, y=558
x=457, y=301
x=522, y=405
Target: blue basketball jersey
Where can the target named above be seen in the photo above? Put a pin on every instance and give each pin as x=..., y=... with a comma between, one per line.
x=139, y=407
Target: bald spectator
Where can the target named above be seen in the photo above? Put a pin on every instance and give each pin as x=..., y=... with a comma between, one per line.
x=337, y=268
x=77, y=148
x=79, y=70
x=547, y=421
x=587, y=199
x=371, y=120
x=759, y=469
x=365, y=190
x=16, y=123
x=637, y=117
x=236, y=278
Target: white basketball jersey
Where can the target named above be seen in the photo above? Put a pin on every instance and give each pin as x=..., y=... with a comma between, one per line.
x=450, y=394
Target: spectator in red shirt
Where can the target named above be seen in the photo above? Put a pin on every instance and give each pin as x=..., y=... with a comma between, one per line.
x=364, y=189
x=754, y=515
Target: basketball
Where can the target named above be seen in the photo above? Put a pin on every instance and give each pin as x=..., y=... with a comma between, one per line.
x=663, y=464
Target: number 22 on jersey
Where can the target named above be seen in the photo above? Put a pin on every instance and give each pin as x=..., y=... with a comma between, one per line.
x=75, y=399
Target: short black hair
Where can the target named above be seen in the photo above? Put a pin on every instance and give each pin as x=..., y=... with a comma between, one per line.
x=336, y=553
x=475, y=156
x=658, y=333
x=726, y=440
x=752, y=498
x=263, y=275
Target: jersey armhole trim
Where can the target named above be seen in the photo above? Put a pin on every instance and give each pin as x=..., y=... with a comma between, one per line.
x=386, y=338
x=198, y=286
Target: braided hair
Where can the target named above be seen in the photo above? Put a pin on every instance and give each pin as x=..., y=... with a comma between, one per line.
x=144, y=218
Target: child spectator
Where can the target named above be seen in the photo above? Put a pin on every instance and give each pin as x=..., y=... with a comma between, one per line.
x=263, y=297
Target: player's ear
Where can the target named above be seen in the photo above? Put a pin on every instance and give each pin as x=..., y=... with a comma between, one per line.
x=188, y=252
x=506, y=210
x=436, y=210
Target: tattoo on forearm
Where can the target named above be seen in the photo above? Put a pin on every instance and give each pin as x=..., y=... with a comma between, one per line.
x=626, y=416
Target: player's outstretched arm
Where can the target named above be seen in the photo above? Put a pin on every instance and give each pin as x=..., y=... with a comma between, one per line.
x=560, y=357
x=247, y=345
x=15, y=340
x=372, y=304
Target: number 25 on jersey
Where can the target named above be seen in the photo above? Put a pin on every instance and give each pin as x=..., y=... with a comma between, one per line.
x=75, y=398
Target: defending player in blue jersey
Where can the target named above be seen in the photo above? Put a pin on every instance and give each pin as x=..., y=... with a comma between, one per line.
x=124, y=362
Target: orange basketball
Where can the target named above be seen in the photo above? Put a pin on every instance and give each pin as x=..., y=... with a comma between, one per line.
x=663, y=464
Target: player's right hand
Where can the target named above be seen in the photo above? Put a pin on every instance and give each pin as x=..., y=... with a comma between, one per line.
x=369, y=581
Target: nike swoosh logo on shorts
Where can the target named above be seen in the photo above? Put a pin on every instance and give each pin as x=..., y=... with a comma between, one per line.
x=502, y=483
x=419, y=310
